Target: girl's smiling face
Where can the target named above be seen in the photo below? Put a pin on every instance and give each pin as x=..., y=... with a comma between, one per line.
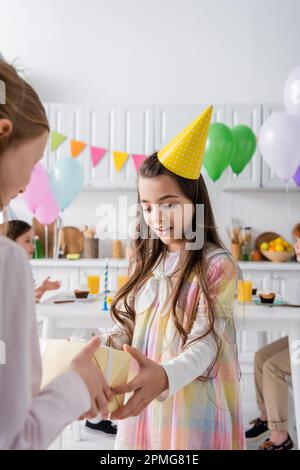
x=167, y=211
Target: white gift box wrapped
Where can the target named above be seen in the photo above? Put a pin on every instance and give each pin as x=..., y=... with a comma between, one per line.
x=58, y=353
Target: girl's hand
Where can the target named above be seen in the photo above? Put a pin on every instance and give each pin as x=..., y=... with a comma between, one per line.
x=147, y=385
x=44, y=287
x=50, y=285
x=99, y=390
x=38, y=292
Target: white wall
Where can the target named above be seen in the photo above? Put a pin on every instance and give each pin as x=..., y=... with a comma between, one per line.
x=152, y=51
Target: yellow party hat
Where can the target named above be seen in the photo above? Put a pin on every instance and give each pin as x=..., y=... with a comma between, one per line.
x=184, y=154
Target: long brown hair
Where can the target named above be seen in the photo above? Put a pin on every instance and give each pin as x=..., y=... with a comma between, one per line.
x=22, y=107
x=148, y=251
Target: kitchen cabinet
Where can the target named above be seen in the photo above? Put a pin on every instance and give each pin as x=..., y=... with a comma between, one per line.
x=136, y=137
x=101, y=130
x=128, y=128
x=143, y=129
x=171, y=119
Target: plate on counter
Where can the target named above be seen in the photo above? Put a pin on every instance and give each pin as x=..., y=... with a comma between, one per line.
x=88, y=300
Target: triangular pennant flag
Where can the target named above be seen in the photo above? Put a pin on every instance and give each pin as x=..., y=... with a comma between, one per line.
x=119, y=159
x=77, y=147
x=138, y=160
x=97, y=153
x=56, y=139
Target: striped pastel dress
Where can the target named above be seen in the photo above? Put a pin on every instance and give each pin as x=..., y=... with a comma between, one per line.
x=192, y=414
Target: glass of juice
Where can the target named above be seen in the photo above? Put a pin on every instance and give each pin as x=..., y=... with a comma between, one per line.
x=245, y=291
x=122, y=279
x=93, y=282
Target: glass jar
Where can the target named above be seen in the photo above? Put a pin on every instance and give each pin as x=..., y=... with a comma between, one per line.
x=246, y=239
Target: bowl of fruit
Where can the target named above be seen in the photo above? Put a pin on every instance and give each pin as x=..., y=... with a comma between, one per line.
x=278, y=250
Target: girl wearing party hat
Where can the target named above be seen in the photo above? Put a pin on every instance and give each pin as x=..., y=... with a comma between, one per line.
x=175, y=314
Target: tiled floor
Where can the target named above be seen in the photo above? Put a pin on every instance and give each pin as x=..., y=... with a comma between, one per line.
x=93, y=440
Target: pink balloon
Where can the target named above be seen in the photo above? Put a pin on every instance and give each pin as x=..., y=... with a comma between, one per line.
x=279, y=142
x=37, y=188
x=48, y=210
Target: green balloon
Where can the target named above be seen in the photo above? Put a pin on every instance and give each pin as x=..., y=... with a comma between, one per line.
x=219, y=147
x=244, y=148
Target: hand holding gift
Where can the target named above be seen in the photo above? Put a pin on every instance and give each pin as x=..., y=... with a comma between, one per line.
x=94, y=379
x=99, y=366
x=147, y=385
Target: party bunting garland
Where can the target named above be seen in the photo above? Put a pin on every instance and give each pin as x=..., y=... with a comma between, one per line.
x=138, y=160
x=77, y=147
x=119, y=159
x=56, y=140
x=96, y=153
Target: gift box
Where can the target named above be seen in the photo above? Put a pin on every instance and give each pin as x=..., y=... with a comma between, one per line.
x=58, y=353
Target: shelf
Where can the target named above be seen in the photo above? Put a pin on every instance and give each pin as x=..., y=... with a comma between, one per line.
x=261, y=190
x=268, y=266
x=81, y=263
x=123, y=263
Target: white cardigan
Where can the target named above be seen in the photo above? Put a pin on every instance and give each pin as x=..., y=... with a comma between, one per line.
x=29, y=418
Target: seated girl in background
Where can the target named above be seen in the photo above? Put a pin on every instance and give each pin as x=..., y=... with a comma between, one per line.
x=22, y=233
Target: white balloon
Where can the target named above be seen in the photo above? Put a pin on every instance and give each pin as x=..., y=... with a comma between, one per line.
x=279, y=143
x=291, y=93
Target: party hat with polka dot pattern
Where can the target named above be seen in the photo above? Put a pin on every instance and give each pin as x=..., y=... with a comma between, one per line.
x=184, y=154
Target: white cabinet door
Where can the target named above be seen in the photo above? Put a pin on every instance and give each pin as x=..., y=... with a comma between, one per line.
x=126, y=129
x=269, y=179
x=102, y=130
x=249, y=115
x=137, y=137
x=68, y=119
x=291, y=288
x=171, y=119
